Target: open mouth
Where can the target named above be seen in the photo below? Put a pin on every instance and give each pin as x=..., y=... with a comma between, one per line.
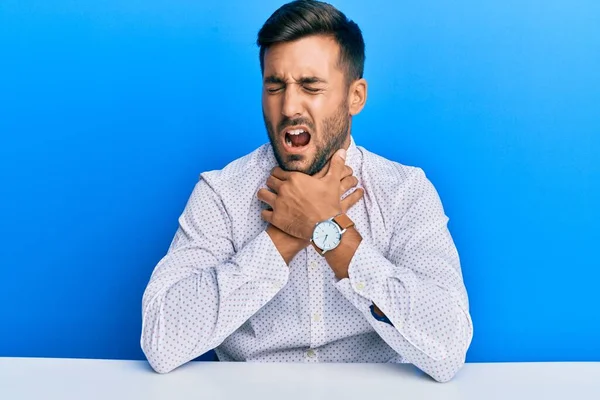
x=296, y=139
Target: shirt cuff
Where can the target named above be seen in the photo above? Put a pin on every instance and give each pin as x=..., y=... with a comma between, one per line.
x=261, y=261
x=368, y=273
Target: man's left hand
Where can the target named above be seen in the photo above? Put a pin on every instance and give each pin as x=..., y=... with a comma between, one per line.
x=300, y=200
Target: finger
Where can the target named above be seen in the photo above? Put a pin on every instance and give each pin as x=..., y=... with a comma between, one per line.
x=348, y=183
x=337, y=164
x=347, y=172
x=266, y=215
x=267, y=196
x=274, y=183
x=325, y=169
x=352, y=199
x=280, y=174
x=322, y=172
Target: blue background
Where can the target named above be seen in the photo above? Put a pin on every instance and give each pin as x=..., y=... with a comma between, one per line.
x=109, y=111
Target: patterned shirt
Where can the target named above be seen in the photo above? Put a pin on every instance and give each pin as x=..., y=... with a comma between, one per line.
x=223, y=285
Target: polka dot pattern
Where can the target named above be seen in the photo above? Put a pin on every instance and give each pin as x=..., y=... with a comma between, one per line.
x=223, y=285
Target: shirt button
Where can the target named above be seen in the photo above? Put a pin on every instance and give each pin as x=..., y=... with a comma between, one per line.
x=317, y=317
x=311, y=353
x=360, y=286
x=313, y=264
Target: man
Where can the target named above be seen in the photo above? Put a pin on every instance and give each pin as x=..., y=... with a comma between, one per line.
x=310, y=249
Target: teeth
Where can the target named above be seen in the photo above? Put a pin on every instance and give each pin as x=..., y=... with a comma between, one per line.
x=296, y=131
x=288, y=141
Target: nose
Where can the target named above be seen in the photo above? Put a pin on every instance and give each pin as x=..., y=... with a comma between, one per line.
x=292, y=102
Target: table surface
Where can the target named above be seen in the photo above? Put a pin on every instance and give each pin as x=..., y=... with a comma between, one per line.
x=84, y=379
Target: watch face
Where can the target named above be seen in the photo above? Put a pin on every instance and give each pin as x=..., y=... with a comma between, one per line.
x=327, y=235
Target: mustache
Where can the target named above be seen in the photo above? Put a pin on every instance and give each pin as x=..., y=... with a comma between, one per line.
x=284, y=123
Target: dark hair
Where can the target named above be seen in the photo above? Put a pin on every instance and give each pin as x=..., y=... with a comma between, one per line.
x=302, y=18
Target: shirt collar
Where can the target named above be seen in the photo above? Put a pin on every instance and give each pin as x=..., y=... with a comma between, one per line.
x=353, y=155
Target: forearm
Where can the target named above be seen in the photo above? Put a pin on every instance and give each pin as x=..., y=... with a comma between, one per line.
x=286, y=245
x=178, y=323
x=339, y=259
x=188, y=310
x=431, y=324
x=432, y=331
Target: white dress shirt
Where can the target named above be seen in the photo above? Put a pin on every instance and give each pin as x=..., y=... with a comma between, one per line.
x=223, y=285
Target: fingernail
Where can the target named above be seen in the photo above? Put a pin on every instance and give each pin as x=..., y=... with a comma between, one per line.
x=342, y=153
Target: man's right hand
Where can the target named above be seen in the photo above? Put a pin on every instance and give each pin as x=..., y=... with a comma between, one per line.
x=287, y=245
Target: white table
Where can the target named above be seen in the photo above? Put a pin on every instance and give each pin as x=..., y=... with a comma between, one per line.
x=82, y=379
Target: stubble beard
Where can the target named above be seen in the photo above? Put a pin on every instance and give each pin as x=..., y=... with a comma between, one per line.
x=335, y=132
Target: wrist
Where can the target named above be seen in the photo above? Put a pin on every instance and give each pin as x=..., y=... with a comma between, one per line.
x=349, y=242
x=323, y=216
x=339, y=258
x=288, y=246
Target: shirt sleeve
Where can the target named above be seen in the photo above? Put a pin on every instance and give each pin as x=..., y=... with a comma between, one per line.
x=204, y=288
x=418, y=285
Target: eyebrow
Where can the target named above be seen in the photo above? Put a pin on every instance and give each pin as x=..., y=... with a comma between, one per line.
x=273, y=79
x=304, y=80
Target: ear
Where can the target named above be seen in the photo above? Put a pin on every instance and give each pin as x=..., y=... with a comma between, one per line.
x=357, y=96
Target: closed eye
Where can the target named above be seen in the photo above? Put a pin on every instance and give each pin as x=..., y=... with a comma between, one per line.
x=274, y=89
x=311, y=90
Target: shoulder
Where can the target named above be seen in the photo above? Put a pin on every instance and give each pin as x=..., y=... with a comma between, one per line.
x=398, y=185
x=242, y=172
x=390, y=174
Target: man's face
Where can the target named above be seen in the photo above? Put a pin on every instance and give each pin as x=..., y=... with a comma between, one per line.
x=305, y=103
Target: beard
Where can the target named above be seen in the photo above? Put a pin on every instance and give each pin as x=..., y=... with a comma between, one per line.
x=334, y=134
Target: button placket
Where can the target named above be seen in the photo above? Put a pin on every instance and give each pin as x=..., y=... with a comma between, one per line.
x=316, y=293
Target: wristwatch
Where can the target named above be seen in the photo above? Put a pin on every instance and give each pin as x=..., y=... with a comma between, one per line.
x=327, y=234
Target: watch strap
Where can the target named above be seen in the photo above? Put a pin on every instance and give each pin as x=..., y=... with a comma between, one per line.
x=343, y=221
x=317, y=249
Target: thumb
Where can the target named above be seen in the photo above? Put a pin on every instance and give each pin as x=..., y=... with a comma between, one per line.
x=337, y=164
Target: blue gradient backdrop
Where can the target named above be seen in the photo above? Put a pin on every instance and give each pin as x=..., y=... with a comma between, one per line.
x=109, y=111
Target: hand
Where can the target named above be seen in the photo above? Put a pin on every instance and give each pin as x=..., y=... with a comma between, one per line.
x=300, y=201
x=287, y=245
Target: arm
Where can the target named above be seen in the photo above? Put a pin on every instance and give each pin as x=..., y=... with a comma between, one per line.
x=417, y=285
x=204, y=289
